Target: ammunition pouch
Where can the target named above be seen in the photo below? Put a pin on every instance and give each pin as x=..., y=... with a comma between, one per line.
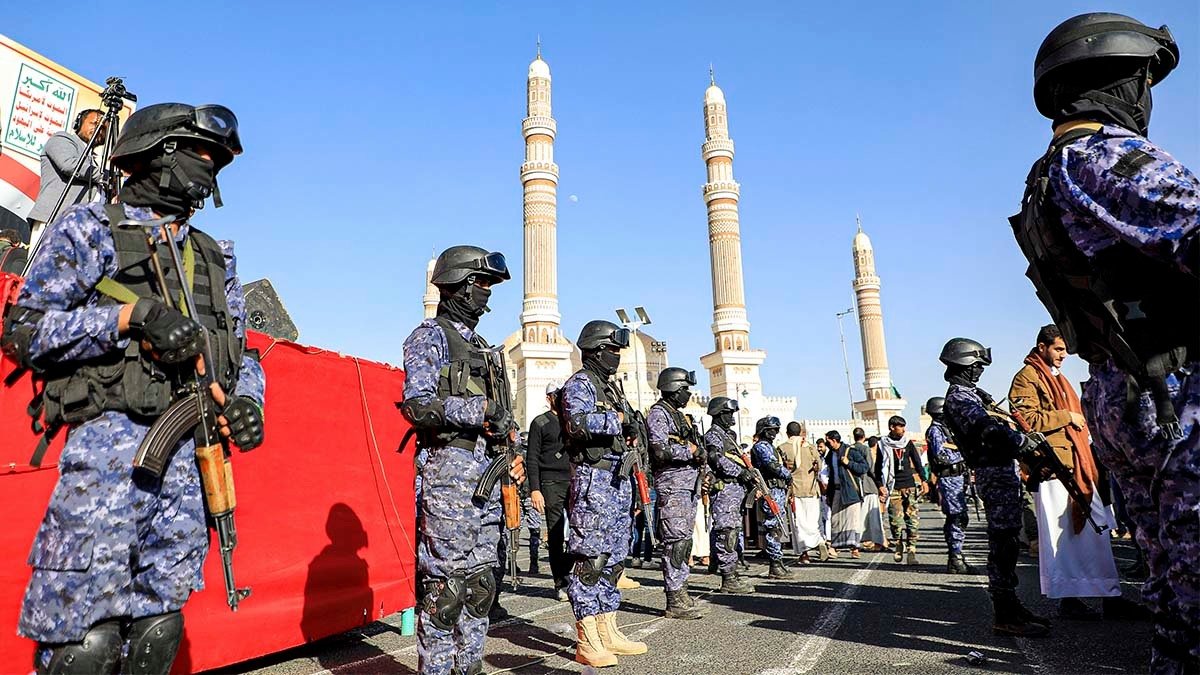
x=949, y=470
x=481, y=592
x=443, y=600
x=591, y=570
x=778, y=483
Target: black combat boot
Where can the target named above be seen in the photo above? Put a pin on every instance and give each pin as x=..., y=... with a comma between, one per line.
x=778, y=571
x=957, y=564
x=1008, y=619
x=678, y=606
x=535, y=542
x=1028, y=616
x=734, y=584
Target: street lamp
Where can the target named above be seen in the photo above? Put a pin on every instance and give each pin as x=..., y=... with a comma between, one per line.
x=845, y=359
x=633, y=325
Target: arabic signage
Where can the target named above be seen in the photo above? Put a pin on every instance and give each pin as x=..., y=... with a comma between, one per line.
x=40, y=107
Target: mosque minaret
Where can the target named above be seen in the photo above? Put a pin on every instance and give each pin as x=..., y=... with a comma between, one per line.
x=432, y=295
x=541, y=354
x=733, y=367
x=881, y=401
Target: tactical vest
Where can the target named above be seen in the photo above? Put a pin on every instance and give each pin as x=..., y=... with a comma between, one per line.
x=594, y=449
x=127, y=380
x=660, y=457
x=470, y=371
x=1118, y=303
x=936, y=466
x=733, y=452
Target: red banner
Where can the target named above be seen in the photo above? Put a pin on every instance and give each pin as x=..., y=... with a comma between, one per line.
x=325, y=513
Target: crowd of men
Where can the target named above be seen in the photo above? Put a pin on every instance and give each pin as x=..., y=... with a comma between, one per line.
x=1109, y=223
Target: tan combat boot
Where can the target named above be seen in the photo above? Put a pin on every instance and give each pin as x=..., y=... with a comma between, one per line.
x=624, y=583
x=590, y=649
x=614, y=640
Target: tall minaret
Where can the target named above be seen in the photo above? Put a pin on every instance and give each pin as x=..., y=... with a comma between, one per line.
x=542, y=354
x=881, y=401
x=432, y=294
x=732, y=366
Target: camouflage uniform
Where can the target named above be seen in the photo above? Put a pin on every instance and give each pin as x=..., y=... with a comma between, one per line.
x=599, y=503
x=764, y=458
x=1155, y=210
x=952, y=490
x=999, y=485
x=677, y=496
x=457, y=537
x=102, y=516
x=726, y=504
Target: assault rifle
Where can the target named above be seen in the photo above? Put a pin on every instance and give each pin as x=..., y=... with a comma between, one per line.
x=760, y=484
x=505, y=441
x=702, y=474
x=196, y=411
x=973, y=492
x=636, y=443
x=1043, y=458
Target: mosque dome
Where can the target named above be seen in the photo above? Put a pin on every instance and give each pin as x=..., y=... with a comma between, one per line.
x=539, y=68
x=714, y=95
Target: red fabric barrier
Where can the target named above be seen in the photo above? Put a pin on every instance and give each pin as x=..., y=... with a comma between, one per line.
x=325, y=513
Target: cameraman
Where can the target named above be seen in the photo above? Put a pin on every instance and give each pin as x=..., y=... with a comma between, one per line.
x=59, y=157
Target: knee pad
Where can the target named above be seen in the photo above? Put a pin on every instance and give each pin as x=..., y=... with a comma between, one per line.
x=679, y=551
x=98, y=652
x=153, y=642
x=615, y=573
x=731, y=539
x=481, y=592
x=590, y=570
x=444, y=600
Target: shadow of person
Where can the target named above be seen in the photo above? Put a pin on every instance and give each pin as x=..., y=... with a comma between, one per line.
x=337, y=591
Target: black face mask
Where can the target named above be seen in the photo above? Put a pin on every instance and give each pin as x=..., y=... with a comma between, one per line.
x=1116, y=97
x=679, y=397
x=966, y=376
x=466, y=304
x=172, y=184
x=602, y=361
x=769, y=434
x=724, y=420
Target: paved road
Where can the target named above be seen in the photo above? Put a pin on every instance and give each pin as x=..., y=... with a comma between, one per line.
x=843, y=616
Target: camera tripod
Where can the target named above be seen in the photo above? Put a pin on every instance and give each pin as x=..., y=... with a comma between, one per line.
x=112, y=98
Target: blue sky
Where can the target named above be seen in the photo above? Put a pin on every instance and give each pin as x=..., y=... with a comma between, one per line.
x=377, y=134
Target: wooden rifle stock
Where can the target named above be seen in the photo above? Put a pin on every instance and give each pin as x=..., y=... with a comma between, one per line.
x=760, y=484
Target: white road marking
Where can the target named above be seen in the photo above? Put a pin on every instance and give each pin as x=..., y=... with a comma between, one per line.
x=809, y=649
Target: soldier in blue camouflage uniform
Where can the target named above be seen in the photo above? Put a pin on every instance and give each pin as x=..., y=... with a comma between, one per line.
x=1110, y=224
x=598, y=424
x=120, y=551
x=947, y=463
x=766, y=459
x=730, y=479
x=455, y=399
x=675, y=455
x=991, y=447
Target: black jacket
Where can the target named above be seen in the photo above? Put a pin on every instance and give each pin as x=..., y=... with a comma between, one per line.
x=546, y=459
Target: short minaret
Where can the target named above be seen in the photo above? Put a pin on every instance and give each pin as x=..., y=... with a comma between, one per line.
x=541, y=355
x=733, y=367
x=881, y=401
x=432, y=295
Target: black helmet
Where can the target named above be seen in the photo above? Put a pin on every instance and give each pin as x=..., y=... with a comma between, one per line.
x=721, y=404
x=149, y=127
x=965, y=352
x=601, y=333
x=457, y=263
x=1096, y=36
x=935, y=406
x=764, y=423
x=674, y=379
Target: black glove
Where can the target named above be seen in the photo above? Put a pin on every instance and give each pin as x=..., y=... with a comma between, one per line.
x=245, y=422
x=173, y=336
x=629, y=429
x=498, y=420
x=746, y=477
x=1030, y=449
